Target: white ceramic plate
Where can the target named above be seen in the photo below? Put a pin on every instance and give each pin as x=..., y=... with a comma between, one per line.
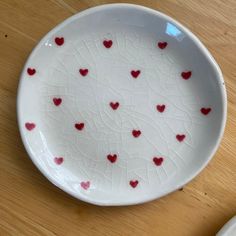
x=229, y=229
x=120, y=104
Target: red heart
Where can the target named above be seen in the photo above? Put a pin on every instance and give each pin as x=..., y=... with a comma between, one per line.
x=31, y=71
x=133, y=183
x=85, y=185
x=57, y=101
x=161, y=108
x=58, y=160
x=205, y=110
x=135, y=73
x=79, y=126
x=59, y=41
x=112, y=158
x=107, y=43
x=180, y=137
x=30, y=126
x=136, y=133
x=83, y=72
x=186, y=74
x=158, y=160
x=162, y=45
x=114, y=106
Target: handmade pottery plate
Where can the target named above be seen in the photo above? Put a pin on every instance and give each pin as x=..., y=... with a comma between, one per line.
x=120, y=104
x=229, y=229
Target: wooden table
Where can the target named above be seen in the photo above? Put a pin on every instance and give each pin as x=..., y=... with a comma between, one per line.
x=31, y=205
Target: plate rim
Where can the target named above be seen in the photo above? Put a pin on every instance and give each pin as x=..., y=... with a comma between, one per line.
x=227, y=227
x=219, y=78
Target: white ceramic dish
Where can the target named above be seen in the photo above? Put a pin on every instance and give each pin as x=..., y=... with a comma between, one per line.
x=229, y=229
x=120, y=104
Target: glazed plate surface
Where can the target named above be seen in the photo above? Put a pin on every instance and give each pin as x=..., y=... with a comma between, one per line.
x=120, y=105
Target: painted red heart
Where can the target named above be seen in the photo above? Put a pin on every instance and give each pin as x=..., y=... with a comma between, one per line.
x=31, y=71
x=115, y=105
x=136, y=133
x=59, y=41
x=83, y=72
x=162, y=45
x=135, y=73
x=161, y=108
x=58, y=160
x=79, y=126
x=57, y=101
x=107, y=43
x=112, y=158
x=85, y=185
x=158, y=160
x=133, y=183
x=180, y=137
x=205, y=111
x=30, y=126
x=186, y=74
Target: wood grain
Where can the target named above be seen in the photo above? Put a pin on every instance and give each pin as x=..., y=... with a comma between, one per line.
x=31, y=205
